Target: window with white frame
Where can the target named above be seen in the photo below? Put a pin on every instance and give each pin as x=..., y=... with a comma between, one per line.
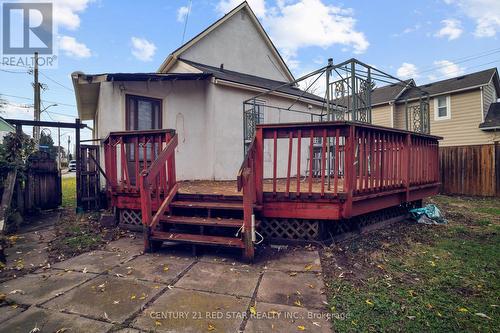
x=442, y=108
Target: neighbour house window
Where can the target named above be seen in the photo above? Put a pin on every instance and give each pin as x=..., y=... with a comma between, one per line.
x=442, y=108
x=142, y=113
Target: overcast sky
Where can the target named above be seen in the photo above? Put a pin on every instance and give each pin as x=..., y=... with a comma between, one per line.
x=426, y=40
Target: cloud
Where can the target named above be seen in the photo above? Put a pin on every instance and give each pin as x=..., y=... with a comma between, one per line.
x=452, y=29
x=182, y=12
x=143, y=49
x=447, y=69
x=66, y=12
x=306, y=23
x=486, y=14
x=72, y=48
x=258, y=6
x=407, y=70
x=298, y=24
x=408, y=30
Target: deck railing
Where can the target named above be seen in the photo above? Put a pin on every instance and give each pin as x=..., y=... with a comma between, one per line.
x=129, y=153
x=339, y=161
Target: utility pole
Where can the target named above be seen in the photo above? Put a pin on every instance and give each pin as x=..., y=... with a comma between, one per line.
x=69, y=141
x=59, y=148
x=36, y=88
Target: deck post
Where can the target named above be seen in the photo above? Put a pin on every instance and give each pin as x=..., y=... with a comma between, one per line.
x=259, y=165
x=407, y=166
x=248, y=252
x=350, y=174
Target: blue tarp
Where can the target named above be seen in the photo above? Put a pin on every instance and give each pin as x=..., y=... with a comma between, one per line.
x=429, y=214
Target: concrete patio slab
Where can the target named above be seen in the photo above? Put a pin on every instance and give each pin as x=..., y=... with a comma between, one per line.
x=283, y=318
x=193, y=311
x=27, y=254
x=106, y=297
x=301, y=289
x=153, y=268
x=219, y=278
x=50, y=321
x=127, y=245
x=9, y=311
x=93, y=262
x=38, y=288
x=127, y=330
x=295, y=259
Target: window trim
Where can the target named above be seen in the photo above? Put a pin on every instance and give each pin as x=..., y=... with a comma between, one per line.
x=448, y=108
x=128, y=97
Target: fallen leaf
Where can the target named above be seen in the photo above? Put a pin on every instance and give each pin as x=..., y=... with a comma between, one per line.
x=17, y=291
x=165, y=268
x=370, y=303
x=311, y=286
x=308, y=267
x=211, y=327
x=157, y=323
x=482, y=315
x=298, y=303
x=463, y=310
x=301, y=328
x=62, y=330
x=253, y=310
x=132, y=297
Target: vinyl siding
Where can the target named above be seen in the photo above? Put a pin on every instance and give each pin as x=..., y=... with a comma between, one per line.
x=381, y=115
x=489, y=96
x=463, y=127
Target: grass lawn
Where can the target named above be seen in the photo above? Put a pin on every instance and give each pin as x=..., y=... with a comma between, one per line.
x=69, y=192
x=421, y=278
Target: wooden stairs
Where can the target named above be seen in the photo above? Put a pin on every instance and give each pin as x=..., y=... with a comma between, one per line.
x=212, y=220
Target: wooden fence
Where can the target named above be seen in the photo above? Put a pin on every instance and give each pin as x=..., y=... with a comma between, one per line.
x=470, y=170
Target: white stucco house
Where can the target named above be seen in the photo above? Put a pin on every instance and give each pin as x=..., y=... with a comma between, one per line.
x=199, y=91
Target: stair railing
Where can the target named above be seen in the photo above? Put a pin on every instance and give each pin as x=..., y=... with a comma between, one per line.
x=157, y=179
x=246, y=180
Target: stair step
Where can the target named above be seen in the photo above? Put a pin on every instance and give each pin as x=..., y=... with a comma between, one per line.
x=197, y=239
x=203, y=221
x=208, y=204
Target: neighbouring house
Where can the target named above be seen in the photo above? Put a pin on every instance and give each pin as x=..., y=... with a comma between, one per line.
x=465, y=111
x=5, y=128
x=198, y=91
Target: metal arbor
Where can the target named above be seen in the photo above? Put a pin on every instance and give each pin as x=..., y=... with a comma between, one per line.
x=348, y=94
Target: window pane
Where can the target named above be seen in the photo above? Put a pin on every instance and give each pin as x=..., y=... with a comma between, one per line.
x=441, y=102
x=145, y=115
x=442, y=112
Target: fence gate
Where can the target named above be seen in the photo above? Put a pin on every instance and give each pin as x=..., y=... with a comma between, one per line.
x=43, y=182
x=88, y=182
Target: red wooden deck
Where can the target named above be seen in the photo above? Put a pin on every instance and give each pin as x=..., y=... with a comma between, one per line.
x=371, y=168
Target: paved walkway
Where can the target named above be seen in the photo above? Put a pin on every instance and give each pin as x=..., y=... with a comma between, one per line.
x=121, y=289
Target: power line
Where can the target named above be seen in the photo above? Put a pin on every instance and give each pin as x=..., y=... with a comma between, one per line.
x=56, y=82
x=47, y=101
x=186, y=21
x=459, y=71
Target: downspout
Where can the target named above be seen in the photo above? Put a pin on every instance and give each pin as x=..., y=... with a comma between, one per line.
x=482, y=103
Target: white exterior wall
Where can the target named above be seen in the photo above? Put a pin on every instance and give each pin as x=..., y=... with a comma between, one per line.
x=228, y=132
x=208, y=119
x=240, y=47
x=183, y=109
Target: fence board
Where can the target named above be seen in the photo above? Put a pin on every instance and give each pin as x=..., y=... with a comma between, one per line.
x=470, y=170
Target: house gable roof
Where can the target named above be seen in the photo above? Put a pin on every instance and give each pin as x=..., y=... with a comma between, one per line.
x=388, y=93
x=492, y=120
x=459, y=83
x=252, y=80
x=172, y=58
